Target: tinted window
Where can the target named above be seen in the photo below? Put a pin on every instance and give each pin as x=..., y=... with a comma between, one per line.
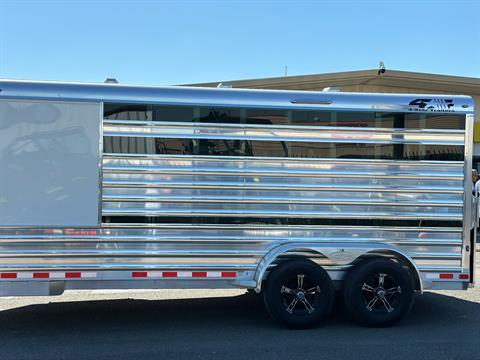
x=222, y=147
x=172, y=113
x=310, y=150
x=434, y=121
x=134, y=145
x=225, y=115
x=126, y=112
x=266, y=117
x=358, y=151
x=148, y=113
x=313, y=118
x=218, y=115
x=268, y=148
x=433, y=152
x=355, y=119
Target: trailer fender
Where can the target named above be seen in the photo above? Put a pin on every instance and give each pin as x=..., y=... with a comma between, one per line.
x=338, y=253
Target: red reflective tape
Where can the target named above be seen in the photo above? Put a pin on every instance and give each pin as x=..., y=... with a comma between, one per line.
x=8, y=276
x=169, y=274
x=199, y=274
x=139, y=274
x=80, y=232
x=73, y=275
x=229, y=274
x=41, y=275
x=445, y=276
x=464, y=276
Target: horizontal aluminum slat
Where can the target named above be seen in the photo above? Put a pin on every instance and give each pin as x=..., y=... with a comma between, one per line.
x=280, y=167
x=440, y=268
x=106, y=265
x=148, y=201
x=280, y=197
x=454, y=255
x=156, y=123
x=111, y=181
x=124, y=229
x=279, y=161
x=202, y=243
x=275, y=172
x=281, y=133
x=176, y=182
x=146, y=252
x=223, y=235
x=283, y=210
x=107, y=227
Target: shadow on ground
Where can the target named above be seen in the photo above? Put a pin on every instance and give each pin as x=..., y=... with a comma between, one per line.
x=237, y=327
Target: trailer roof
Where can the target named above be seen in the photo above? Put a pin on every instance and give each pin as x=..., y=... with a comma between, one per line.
x=233, y=97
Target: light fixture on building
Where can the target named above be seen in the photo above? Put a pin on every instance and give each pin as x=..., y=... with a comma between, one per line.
x=331, y=89
x=224, y=85
x=381, y=68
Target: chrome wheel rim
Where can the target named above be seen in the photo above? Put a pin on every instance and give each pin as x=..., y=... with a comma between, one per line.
x=300, y=295
x=381, y=293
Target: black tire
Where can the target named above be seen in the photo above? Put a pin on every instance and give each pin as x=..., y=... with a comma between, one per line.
x=303, y=284
x=379, y=292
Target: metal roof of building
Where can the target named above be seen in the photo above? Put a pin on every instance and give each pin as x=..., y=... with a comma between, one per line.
x=390, y=78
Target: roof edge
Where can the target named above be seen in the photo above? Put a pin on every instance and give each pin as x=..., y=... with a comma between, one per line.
x=353, y=77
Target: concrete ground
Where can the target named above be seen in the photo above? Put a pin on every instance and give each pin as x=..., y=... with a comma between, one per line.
x=218, y=324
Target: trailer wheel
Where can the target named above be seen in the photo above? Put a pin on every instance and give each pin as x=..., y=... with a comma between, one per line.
x=379, y=292
x=299, y=294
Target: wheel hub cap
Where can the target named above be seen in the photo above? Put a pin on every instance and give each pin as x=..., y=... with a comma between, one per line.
x=380, y=296
x=300, y=295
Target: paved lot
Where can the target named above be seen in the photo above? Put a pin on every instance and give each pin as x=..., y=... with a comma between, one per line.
x=225, y=324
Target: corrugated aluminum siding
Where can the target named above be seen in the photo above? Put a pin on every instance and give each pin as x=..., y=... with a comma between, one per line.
x=292, y=188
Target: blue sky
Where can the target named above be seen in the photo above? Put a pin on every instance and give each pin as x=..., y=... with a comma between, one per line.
x=174, y=42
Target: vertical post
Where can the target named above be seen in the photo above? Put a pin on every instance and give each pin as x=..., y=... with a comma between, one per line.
x=399, y=123
x=468, y=199
x=333, y=122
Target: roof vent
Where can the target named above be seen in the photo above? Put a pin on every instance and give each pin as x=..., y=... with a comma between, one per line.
x=331, y=89
x=225, y=85
x=111, y=81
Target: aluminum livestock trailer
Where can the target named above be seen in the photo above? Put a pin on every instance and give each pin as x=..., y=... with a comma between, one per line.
x=291, y=194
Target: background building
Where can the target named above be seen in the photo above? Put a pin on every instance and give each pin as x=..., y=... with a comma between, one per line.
x=387, y=81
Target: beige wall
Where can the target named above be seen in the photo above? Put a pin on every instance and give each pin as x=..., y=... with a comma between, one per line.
x=391, y=89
